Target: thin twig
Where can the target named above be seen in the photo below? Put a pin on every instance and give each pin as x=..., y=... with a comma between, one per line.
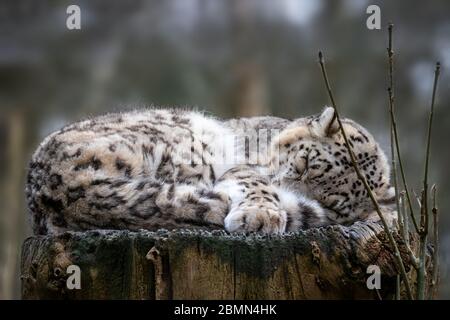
x=424, y=216
x=412, y=256
x=423, y=236
x=404, y=214
x=392, y=241
x=379, y=294
x=437, y=71
x=391, y=108
x=417, y=198
x=394, y=133
x=435, y=271
x=421, y=272
x=401, y=217
x=405, y=217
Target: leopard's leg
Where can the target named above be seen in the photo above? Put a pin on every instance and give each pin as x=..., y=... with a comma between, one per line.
x=257, y=205
x=194, y=205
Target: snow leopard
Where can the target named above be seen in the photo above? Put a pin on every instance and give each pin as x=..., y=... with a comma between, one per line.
x=178, y=168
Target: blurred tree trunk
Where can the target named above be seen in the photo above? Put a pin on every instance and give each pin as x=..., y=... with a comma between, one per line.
x=13, y=208
x=248, y=92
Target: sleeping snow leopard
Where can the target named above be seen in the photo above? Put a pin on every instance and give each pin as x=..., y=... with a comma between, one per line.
x=171, y=168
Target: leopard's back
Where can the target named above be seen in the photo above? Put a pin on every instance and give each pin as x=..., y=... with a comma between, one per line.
x=108, y=171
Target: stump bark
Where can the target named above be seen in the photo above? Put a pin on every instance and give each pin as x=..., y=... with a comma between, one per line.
x=324, y=263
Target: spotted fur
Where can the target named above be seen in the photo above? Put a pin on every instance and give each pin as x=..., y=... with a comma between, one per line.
x=159, y=169
x=312, y=157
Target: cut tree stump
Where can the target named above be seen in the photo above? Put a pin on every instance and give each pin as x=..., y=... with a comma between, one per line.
x=325, y=263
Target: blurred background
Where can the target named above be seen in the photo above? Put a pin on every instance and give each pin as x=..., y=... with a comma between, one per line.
x=230, y=58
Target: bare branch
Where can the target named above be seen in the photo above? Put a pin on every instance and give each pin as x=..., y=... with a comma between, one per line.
x=392, y=241
x=401, y=217
x=391, y=107
x=404, y=214
x=437, y=71
x=423, y=235
x=424, y=216
x=417, y=198
x=435, y=271
x=398, y=282
x=395, y=145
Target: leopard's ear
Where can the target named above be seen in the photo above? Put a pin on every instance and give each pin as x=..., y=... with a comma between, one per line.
x=326, y=124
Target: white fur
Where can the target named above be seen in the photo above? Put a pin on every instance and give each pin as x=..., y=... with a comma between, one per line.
x=215, y=134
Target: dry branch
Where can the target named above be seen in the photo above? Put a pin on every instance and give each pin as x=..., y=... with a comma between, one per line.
x=392, y=242
x=395, y=145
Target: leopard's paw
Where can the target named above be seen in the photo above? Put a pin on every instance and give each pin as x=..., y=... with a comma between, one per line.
x=256, y=218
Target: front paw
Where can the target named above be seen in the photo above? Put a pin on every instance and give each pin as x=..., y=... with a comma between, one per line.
x=256, y=218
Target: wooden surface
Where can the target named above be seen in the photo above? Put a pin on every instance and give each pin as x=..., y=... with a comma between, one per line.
x=325, y=263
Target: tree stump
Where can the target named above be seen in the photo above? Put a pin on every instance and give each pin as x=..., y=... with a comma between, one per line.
x=324, y=263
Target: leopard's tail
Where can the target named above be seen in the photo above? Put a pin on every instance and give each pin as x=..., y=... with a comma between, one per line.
x=67, y=189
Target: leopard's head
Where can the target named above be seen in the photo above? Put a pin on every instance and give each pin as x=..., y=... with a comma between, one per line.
x=310, y=156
